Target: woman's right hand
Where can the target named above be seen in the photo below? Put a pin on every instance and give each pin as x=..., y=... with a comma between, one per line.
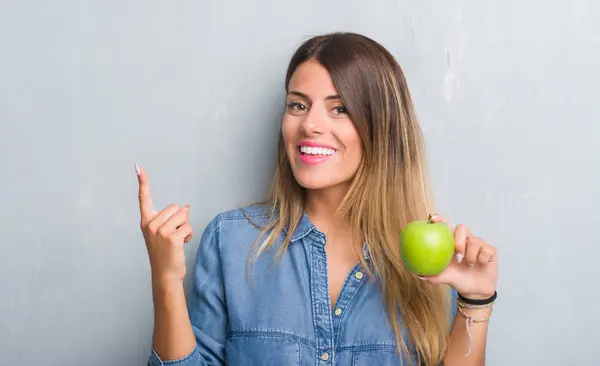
x=165, y=233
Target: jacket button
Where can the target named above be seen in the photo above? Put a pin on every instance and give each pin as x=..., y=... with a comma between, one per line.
x=359, y=275
x=324, y=356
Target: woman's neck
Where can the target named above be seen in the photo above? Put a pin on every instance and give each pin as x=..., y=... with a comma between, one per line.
x=322, y=206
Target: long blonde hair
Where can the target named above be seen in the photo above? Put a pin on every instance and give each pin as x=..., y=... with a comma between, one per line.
x=388, y=191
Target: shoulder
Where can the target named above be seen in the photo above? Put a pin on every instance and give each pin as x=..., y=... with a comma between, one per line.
x=238, y=225
x=258, y=214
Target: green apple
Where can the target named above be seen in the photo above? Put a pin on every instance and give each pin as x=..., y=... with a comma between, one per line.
x=426, y=247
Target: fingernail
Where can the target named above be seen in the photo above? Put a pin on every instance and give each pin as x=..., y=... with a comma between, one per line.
x=421, y=277
x=137, y=169
x=459, y=257
x=187, y=207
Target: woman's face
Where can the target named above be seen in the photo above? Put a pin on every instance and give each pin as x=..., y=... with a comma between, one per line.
x=321, y=140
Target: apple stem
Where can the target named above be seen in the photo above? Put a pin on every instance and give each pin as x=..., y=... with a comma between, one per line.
x=429, y=219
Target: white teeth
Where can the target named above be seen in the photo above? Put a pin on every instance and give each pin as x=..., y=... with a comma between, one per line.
x=316, y=150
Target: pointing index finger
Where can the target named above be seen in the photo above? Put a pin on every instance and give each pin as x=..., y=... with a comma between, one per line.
x=147, y=210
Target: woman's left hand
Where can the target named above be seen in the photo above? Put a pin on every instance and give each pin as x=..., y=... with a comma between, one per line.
x=473, y=272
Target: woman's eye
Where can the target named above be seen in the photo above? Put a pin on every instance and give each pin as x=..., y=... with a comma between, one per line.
x=340, y=110
x=297, y=107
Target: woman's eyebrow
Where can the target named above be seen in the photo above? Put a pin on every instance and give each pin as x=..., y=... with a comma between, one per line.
x=299, y=94
x=306, y=97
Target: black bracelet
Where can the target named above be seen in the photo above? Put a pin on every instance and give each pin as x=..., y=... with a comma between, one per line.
x=478, y=302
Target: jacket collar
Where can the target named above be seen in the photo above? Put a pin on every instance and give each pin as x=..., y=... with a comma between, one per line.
x=306, y=226
x=303, y=229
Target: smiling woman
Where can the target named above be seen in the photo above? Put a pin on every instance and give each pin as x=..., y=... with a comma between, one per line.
x=313, y=275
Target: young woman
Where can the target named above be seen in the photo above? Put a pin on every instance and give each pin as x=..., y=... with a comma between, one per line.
x=313, y=275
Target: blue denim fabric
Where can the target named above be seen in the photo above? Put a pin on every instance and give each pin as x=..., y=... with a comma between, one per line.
x=283, y=316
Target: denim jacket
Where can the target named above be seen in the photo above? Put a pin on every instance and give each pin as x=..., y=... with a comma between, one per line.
x=282, y=316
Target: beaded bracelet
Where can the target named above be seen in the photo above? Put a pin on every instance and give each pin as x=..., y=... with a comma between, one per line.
x=469, y=306
x=472, y=319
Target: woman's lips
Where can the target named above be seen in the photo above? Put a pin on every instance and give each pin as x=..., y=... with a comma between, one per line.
x=314, y=155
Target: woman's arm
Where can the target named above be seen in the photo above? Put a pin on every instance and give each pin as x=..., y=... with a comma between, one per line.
x=474, y=274
x=173, y=337
x=197, y=337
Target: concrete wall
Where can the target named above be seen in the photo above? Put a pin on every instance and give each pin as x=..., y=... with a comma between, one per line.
x=507, y=92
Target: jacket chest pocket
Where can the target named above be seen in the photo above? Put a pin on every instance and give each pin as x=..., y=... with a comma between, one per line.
x=261, y=351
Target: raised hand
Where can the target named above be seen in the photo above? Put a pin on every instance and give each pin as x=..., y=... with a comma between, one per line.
x=165, y=233
x=474, y=271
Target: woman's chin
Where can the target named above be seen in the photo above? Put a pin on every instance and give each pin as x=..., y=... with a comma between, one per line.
x=313, y=182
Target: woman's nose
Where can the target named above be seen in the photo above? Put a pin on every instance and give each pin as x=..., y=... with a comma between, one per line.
x=314, y=123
